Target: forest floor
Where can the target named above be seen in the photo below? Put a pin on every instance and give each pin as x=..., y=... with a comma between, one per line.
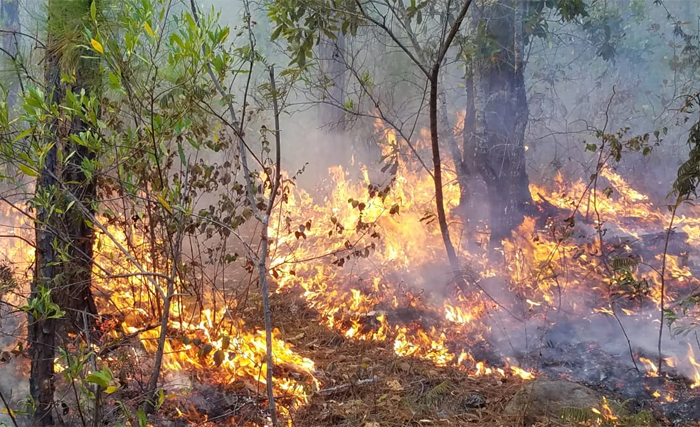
x=365, y=384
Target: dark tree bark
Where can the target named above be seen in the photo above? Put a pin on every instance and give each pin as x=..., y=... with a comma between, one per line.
x=69, y=281
x=42, y=332
x=500, y=113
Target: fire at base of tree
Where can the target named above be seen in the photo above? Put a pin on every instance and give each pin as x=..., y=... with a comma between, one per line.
x=349, y=213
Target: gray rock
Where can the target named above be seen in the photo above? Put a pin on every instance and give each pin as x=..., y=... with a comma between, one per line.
x=545, y=398
x=473, y=401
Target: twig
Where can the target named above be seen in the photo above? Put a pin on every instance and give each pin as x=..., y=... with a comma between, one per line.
x=9, y=411
x=93, y=363
x=344, y=387
x=153, y=381
x=624, y=332
x=262, y=257
x=663, y=284
x=108, y=349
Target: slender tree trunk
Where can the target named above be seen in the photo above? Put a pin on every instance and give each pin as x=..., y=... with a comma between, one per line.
x=11, y=23
x=437, y=172
x=331, y=53
x=501, y=114
x=433, y=78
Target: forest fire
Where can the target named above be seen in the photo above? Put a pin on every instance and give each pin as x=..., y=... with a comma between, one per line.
x=368, y=260
x=207, y=343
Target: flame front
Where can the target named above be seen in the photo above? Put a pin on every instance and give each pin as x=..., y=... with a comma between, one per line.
x=370, y=260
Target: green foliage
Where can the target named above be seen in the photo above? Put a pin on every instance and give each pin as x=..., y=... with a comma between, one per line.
x=42, y=307
x=157, y=139
x=688, y=176
x=625, y=284
x=301, y=23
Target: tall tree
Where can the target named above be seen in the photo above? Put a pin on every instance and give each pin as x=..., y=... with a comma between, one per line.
x=64, y=238
x=497, y=112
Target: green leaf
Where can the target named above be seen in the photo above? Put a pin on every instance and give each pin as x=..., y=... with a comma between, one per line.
x=224, y=35
x=181, y=152
x=98, y=378
x=143, y=421
x=93, y=10
x=276, y=33
x=23, y=135
x=27, y=170
x=149, y=30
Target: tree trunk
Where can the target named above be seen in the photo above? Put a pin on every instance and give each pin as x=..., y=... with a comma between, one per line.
x=69, y=281
x=10, y=16
x=331, y=54
x=437, y=171
x=41, y=332
x=472, y=201
x=501, y=113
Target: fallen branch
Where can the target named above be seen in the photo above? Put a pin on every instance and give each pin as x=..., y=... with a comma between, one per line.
x=344, y=387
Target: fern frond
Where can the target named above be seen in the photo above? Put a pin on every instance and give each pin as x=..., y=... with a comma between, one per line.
x=436, y=393
x=577, y=415
x=624, y=263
